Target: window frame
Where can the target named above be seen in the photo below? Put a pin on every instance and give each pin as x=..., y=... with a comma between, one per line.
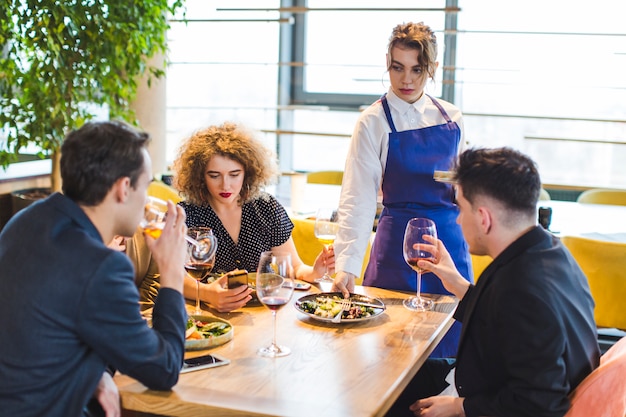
x=345, y=101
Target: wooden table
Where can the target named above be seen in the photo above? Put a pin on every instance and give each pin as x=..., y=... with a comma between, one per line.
x=595, y=221
x=355, y=369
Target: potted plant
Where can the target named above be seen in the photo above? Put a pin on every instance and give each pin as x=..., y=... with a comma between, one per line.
x=63, y=62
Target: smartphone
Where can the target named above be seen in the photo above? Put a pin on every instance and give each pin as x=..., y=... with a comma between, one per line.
x=238, y=278
x=203, y=362
x=302, y=286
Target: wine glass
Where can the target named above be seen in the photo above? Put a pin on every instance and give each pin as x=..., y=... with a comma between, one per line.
x=197, y=264
x=274, y=287
x=153, y=222
x=415, y=249
x=326, y=228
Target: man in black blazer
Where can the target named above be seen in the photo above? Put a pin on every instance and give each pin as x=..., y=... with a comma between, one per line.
x=528, y=336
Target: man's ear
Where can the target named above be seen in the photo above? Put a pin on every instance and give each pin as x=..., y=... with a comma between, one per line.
x=121, y=189
x=486, y=219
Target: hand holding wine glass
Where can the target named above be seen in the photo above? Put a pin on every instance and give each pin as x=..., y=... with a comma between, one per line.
x=274, y=288
x=153, y=222
x=198, y=265
x=415, y=249
x=326, y=228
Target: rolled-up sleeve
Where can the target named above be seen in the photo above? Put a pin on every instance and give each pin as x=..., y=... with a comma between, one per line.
x=361, y=184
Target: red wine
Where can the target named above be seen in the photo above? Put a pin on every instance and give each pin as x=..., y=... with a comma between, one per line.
x=199, y=271
x=413, y=262
x=274, y=303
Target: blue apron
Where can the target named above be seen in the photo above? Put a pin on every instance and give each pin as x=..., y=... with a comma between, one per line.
x=410, y=191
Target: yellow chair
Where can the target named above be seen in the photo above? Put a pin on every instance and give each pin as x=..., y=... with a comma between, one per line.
x=603, y=392
x=366, y=258
x=604, y=264
x=325, y=177
x=309, y=247
x=479, y=264
x=603, y=196
x=163, y=191
x=303, y=235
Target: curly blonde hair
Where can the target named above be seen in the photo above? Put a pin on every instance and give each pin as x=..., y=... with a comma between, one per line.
x=231, y=141
x=415, y=36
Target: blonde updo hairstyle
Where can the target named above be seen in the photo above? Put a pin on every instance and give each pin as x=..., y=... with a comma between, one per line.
x=415, y=36
x=231, y=141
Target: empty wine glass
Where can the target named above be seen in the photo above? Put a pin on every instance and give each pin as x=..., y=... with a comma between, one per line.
x=415, y=249
x=197, y=264
x=326, y=228
x=153, y=222
x=274, y=288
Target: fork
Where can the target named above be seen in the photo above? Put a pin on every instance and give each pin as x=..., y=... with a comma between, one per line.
x=345, y=306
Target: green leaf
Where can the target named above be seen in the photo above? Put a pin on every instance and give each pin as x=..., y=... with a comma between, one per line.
x=57, y=55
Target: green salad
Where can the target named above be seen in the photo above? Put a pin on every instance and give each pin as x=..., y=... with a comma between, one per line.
x=197, y=329
x=329, y=307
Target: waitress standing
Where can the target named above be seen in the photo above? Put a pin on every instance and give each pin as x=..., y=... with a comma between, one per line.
x=397, y=144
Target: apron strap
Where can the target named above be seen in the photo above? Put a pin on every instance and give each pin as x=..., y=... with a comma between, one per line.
x=440, y=107
x=385, y=104
x=383, y=100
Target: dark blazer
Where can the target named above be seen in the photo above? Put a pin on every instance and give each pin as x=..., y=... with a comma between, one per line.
x=528, y=334
x=68, y=308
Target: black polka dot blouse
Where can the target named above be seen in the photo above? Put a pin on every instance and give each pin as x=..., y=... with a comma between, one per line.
x=264, y=225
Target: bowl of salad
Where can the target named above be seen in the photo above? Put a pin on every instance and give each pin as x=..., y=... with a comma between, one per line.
x=204, y=332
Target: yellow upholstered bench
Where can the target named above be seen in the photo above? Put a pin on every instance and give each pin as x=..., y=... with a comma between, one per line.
x=479, y=264
x=604, y=265
x=325, y=177
x=163, y=191
x=603, y=196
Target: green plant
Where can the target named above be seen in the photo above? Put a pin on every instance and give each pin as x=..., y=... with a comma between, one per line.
x=62, y=60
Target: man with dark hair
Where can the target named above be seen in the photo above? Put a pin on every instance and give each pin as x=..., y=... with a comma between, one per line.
x=68, y=304
x=528, y=334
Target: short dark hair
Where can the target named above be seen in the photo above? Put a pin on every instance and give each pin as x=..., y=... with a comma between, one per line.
x=503, y=174
x=98, y=154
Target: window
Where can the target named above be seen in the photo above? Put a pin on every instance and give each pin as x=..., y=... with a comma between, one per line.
x=223, y=67
x=342, y=47
x=547, y=78
x=543, y=77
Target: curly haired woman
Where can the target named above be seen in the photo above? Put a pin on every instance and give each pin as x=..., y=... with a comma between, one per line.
x=221, y=172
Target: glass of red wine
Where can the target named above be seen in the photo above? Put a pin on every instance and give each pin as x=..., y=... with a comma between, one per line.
x=199, y=264
x=274, y=288
x=415, y=249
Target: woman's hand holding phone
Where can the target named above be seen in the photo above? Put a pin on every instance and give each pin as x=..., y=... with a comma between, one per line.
x=237, y=278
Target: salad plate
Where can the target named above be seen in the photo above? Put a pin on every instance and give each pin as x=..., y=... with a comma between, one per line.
x=326, y=305
x=204, y=332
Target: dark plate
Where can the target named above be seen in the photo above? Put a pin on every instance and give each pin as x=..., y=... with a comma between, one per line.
x=377, y=311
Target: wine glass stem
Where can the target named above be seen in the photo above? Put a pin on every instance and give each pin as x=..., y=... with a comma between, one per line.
x=274, y=320
x=198, y=311
x=419, y=288
x=326, y=263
